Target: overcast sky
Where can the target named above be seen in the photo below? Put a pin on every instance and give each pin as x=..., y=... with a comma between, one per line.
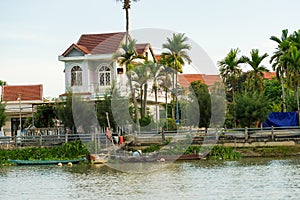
x=33, y=33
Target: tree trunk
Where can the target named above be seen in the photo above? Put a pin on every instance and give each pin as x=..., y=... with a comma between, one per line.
x=234, y=111
x=283, y=94
x=156, y=108
x=173, y=96
x=297, y=100
x=144, y=108
x=166, y=97
x=137, y=118
x=127, y=26
x=141, y=99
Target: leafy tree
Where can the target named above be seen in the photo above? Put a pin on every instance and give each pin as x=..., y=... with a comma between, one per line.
x=255, y=76
x=202, y=97
x=273, y=92
x=251, y=108
x=3, y=116
x=2, y=83
x=64, y=111
x=44, y=116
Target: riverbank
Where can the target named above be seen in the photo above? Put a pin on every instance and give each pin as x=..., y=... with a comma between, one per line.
x=71, y=150
x=269, y=151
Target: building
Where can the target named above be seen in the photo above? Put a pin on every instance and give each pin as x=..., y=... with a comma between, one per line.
x=90, y=66
x=19, y=100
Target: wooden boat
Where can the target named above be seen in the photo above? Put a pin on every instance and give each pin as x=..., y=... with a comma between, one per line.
x=192, y=156
x=143, y=158
x=45, y=162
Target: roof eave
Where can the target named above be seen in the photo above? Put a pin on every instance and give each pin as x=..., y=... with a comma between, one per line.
x=87, y=57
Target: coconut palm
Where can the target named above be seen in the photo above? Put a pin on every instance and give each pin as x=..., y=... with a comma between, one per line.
x=279, y=65
x=175, y=56
x=230, y=70
x=292, y=57
x=256, y=75
x=126, y=7
x=141, y=77
x=129, y=59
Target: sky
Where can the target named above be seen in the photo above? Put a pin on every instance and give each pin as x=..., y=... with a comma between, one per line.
x=33, y=33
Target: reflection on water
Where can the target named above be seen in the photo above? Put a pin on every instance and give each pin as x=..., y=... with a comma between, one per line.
x=243, y=179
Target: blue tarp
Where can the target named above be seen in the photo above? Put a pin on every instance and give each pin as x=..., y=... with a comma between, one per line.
x=281, y=119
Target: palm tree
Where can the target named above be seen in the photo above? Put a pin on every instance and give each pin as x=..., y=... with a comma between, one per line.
x=292, y=56
x=126, y=7
x=158, y=76
x=279, y=65
x=141, y=77
x=255, y=76
x=175, y=57
x=230, y=70
x=129, y=58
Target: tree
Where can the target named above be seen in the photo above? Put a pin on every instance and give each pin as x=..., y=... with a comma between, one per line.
x=141, y=76
x=126, y=7
x=44, y=116
x=129, y=59
x=3, y=116
x=230, y=70
x=251, y=108
x=279, y=65
x=2, y=83
x=65, y=113
x=204, y=102
x=175, y=57
x=292, y=56
x=256, y=75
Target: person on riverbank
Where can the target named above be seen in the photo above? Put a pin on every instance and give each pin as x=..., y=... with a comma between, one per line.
x=137, y=153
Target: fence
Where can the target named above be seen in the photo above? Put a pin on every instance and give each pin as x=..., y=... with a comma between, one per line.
x=51, y=137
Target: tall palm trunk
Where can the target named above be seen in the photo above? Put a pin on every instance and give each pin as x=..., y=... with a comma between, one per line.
x=297, y=100
x=144, y=108
x=283, y=94
x=127, y=25
x=156, y=107
x=137, y=118
x=166, y=98
x=173, y=96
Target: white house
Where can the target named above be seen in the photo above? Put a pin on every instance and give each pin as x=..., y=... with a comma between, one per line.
x=89, y=65
x=19, y=100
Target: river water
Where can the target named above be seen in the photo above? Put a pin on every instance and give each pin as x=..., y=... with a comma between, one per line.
x=259, y=178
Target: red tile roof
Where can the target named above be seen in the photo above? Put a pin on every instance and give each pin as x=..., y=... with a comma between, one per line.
x=269, y=75
x=106, y=43
x=141, y=48
x=26, y=92
x=185, y=79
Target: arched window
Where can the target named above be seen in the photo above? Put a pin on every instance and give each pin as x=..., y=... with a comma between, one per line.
x=104, y=76
x=76, y=76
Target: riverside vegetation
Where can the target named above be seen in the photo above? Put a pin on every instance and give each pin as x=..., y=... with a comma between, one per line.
x=69, y=150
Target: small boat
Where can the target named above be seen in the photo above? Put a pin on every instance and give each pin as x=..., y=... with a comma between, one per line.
x=45, y=162
x=143, y=158
x=192, y=156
